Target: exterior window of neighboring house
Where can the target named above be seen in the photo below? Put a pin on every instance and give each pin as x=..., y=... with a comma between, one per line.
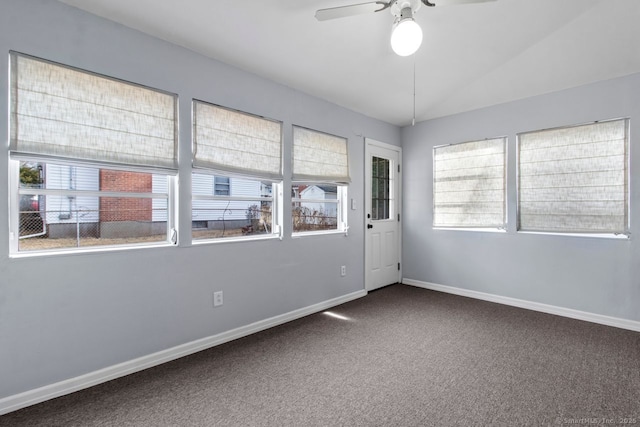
x=320, y=182
x=575, y=179
x=237, y=183
x=469, y=185
x=221, y=186
x=92, y=160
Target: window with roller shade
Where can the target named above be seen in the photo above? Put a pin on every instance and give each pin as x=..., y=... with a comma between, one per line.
x=575, y=179
x=237, y=182
x=469, y=184
x=105, y=152
x=320, y=182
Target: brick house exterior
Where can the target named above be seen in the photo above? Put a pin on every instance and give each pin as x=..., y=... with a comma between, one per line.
x=124, y=208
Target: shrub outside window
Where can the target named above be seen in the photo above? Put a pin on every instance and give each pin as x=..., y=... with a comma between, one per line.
x=318, y=207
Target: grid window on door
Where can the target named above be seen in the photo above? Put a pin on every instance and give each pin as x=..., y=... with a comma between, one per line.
x=380, y=189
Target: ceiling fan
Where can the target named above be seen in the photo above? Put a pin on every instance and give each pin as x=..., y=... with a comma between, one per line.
x=406, y=35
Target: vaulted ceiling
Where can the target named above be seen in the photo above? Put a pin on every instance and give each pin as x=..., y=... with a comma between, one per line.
x=473, y=55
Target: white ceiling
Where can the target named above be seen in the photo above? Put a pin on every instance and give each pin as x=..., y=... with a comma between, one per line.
x=473, y=55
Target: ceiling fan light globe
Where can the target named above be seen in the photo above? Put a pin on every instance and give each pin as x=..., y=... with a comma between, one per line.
x=406, y=37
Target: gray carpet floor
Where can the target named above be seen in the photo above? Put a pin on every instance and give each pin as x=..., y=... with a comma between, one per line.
x=403, y=357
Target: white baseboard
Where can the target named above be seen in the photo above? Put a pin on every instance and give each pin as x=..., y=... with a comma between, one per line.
x=530, y=305
x=31, y=397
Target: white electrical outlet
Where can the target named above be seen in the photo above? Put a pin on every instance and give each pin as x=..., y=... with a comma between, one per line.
x=343, y=270
x=217, y=298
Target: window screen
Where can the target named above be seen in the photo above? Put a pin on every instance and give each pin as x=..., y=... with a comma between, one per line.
x=469, y=184
x=574, y=179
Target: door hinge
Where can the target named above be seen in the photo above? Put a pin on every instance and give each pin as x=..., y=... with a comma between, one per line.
x=398, y=168
x=398, y=266
x=398, y=217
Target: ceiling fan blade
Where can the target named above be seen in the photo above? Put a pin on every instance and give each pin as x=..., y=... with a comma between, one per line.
x=455, y=2
x=343, y=11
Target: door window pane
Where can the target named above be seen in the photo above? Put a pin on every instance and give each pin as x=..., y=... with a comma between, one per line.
x=380, y=185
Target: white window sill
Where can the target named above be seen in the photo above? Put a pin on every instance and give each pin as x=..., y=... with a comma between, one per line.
x=481, y=229
x=318, y=233
x=89, y=250
x=198, y=242
x=590, y=235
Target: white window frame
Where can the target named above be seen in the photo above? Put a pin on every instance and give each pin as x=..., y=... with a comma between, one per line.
x=249, y=154
x=320, y=158
x=144, y=154
x=219, y=180
x=591, y=234
x=340, y=201
x=171, y=236
x=275, y=199
x=502, y=228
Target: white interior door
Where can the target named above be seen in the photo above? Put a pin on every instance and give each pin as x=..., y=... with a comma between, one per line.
x=382, y=214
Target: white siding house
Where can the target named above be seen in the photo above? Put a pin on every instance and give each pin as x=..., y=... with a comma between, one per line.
x=65, y=214
x=222, y=210
x=320, y=192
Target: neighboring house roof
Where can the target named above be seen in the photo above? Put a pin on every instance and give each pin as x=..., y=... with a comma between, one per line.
x=330, y=189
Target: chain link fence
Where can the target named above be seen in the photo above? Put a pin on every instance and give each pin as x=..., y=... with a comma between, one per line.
x=58, y=229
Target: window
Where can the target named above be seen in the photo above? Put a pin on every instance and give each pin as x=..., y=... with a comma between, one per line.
x=92, y=160
x=80, y=206
x=236, y=189
x=221, y=186
x=574, y=179
x=249, y=212
x=469, y=184
x=381, y=186
x=320, y=178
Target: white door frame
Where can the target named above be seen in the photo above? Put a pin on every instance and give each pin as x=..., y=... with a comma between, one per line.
x=368, y=285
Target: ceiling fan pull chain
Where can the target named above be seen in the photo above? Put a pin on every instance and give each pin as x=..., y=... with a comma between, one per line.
x=413, y=122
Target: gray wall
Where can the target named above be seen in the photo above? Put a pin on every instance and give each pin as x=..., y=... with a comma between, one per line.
x=595, y=275
x=65, y=315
